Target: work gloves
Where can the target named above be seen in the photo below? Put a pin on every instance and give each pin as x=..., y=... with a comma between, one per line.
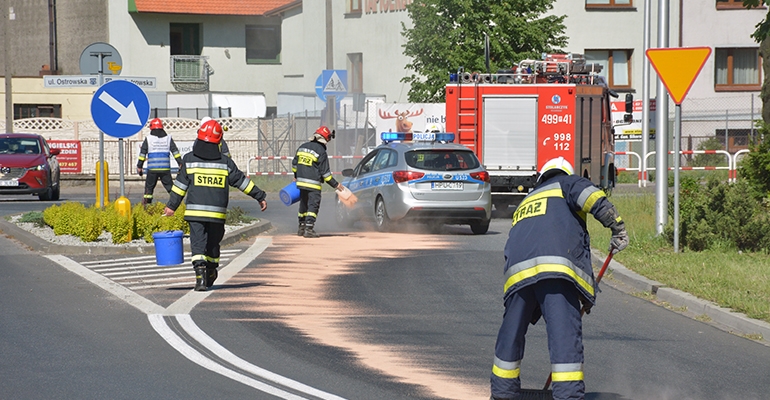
x=139, y=171
x=619, y=240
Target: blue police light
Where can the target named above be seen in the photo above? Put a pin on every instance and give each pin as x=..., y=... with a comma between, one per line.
x=445, y=137
x=393, y=136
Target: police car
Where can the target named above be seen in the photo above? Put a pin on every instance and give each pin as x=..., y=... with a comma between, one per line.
x=421, y=177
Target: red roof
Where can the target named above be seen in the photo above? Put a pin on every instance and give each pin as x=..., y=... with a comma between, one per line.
x=210, y=7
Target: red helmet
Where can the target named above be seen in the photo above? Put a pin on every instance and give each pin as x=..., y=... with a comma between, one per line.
x=210, y=131
x=325, y=132
x=156, y=123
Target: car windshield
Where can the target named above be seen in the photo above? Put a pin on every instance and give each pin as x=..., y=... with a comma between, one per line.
x=442, y=160
x=19, y=146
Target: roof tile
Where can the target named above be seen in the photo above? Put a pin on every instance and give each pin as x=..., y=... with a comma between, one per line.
x=210, y=7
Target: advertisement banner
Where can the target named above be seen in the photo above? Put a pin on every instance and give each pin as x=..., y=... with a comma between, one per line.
x=410, y=117
x=69, y=157
x=632, y=131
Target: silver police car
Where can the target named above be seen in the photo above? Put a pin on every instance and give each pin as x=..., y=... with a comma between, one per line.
x=421, y=177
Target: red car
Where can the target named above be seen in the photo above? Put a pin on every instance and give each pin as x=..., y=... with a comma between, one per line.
x=28, y=166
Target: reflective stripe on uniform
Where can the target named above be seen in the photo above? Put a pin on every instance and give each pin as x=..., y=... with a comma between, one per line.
x=208, y=171
x=530, y=268
x=212, y=259
x=566, y=372
x=506, y=369
x=198, y=210
x=198, y=257
x=246, y=186
x=176, y=189
x=180, y=185
x=308, y=183
x=588, y=197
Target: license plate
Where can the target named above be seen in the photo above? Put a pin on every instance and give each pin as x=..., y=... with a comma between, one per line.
x=9, y=183
x=447, y=186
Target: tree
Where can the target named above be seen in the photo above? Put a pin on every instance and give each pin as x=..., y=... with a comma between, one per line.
x=449, y=34
x=762, y=36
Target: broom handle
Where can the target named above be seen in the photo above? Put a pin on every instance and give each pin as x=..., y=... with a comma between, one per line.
x=583, y=310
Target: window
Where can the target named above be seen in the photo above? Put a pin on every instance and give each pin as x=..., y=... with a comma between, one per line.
x=353, y=7
x=737, y=69
x=608, y=3
x=36, y=111
x=356, y=75
x=616, y=66
x=185, y=39
x=263, y=44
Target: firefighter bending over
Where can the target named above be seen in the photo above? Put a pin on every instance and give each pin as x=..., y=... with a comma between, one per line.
x=155, y=149
x=548, y=273
x=311, y=169
x=205, y=177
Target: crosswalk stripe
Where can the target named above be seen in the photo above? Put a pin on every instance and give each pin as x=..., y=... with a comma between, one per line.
x=142, y=272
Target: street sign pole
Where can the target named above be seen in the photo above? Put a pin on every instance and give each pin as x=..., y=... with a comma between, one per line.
x=100, y=168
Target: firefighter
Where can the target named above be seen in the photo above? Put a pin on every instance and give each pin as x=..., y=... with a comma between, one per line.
x=311, y=169
x=155, y=149
x=205, y=177
x=548, y=273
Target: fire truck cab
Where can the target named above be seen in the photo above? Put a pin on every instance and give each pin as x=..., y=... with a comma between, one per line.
x=517, y=120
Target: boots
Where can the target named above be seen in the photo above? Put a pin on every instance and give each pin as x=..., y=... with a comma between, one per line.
x=211, y=275
x=301, y=230
x=200, y=278
x=309, y=232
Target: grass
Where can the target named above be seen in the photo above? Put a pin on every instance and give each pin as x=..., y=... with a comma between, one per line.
x=729, y=278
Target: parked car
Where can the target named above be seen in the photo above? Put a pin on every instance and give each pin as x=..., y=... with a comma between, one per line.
x=429, y=180
x=28, y=166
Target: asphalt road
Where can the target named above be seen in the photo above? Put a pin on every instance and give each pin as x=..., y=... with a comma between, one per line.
x=354, y=314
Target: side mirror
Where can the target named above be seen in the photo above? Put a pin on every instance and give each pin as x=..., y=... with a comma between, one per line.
x=347, y=172
x=629, y=115
x=55, y=152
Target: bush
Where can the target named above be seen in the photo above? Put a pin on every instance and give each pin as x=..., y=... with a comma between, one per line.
x=755, y=166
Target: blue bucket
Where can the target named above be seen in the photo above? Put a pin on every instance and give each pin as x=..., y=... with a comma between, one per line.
x=289, y=194
x=168, y=247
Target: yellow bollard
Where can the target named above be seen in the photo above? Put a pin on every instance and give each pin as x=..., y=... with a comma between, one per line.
x=102, y=173
x=123, y=207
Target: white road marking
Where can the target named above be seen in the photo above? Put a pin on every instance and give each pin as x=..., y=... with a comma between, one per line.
x=181, y=309
x=160, y=326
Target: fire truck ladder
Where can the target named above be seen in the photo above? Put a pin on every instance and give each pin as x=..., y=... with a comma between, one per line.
x=467, y=116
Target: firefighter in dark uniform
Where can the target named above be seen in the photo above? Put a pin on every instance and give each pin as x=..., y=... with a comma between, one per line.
x=156, y=149
x=548, y=273
x=205, y=177
x=311, y=169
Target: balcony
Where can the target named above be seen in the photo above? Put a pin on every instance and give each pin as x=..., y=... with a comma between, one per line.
x=190, y=73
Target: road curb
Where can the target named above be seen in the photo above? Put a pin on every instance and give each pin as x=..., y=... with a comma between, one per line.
x=721, y=317
x=35, y=243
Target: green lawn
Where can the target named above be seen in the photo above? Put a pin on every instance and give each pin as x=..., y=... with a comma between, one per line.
x=729, y=278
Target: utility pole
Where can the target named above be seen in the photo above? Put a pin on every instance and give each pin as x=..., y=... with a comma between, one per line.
x=9, y=16
x=331, y=101
x=661, y=129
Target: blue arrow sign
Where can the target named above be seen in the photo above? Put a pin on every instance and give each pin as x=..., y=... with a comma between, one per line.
x=120, y=108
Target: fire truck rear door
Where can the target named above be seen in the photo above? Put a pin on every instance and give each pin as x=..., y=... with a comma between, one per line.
x=510, y=133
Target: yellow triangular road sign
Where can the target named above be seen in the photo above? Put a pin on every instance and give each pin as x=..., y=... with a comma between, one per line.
x=678, y=67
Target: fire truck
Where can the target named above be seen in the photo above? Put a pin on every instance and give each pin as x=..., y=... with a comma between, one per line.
x=516, y=120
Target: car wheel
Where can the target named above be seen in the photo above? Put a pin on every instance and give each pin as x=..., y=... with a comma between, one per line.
x=56, y=190
x=480, y=228
x=381, y=219
x=47, y=195
x=341, y=215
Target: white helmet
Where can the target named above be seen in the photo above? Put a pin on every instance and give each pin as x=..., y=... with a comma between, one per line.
x=555, y=165
x=434, y=128
x=203, y=121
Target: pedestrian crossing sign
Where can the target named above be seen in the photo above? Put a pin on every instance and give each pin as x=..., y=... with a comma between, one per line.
x=334, y=82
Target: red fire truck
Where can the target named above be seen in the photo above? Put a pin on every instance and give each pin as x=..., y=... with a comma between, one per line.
x=517, y=120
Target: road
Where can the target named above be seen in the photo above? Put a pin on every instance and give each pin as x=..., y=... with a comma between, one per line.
x=355, y=314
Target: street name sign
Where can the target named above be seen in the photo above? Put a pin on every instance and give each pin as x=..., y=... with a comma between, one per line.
x=64, y=81
x=120, y=108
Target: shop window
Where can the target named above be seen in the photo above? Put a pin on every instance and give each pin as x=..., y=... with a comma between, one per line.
x=36, y=111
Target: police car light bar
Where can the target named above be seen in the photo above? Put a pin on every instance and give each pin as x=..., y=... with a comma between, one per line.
x=443, y=137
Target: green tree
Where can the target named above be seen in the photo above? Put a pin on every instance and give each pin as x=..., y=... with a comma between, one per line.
x=762, y=36
x=449, y=34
